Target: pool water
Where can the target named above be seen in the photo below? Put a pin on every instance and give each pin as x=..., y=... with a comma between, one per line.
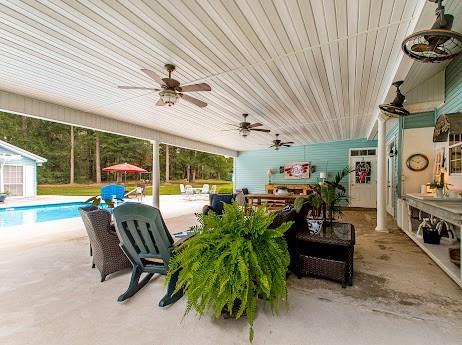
x=39, y=213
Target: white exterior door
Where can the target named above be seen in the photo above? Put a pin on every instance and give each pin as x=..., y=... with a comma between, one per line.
x=29, y=181
x=363, y=181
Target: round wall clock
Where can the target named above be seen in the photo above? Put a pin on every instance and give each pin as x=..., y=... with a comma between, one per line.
x=417, y=162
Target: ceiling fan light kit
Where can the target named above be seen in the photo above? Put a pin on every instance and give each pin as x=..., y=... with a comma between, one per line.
x=169, y=97
x=437, y=44
x=397, y=106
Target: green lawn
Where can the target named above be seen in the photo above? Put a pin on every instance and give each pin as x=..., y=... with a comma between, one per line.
x=94, y=189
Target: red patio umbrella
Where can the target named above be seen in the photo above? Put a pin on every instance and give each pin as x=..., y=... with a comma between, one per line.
x=125, y=167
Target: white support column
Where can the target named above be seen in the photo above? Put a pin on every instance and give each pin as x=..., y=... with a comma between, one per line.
x=381, y=173
x=155, y=174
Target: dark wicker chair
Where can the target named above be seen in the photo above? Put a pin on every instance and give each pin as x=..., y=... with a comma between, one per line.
x=104, y=243
x=216, y=203
x=299, y=219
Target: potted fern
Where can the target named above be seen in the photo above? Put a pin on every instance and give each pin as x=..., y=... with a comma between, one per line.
x=233, y=264
x=3, y=196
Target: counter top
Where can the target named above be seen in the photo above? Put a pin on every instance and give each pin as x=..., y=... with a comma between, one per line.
x=444, y=208
x=430, y=197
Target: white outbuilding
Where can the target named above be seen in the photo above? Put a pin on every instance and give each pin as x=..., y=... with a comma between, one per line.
x=18, y=171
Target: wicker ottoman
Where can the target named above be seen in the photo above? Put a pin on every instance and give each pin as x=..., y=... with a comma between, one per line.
x=328, y=253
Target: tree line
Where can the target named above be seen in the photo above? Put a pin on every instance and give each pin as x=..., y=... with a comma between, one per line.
x=78, y=154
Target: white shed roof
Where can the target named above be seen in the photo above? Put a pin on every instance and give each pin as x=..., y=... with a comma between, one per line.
x=22, y=152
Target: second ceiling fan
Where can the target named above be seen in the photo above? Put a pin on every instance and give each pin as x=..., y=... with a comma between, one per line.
x=245, y=127
x=171, y=90
x=278, y=143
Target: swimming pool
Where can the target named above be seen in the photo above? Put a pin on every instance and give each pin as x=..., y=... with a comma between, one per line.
x=39, y=213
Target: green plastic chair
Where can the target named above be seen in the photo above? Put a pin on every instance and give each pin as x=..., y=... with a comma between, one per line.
x=146, y=241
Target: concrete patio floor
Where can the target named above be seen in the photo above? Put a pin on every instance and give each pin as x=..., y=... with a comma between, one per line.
x=50, y=295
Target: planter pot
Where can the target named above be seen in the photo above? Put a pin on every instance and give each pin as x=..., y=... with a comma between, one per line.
x=2, y=197
x=282, y=192
x=431, y=236
x=225, y=314
x=439, y=192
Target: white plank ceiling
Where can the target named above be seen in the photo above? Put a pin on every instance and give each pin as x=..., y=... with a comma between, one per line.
x=313, y=71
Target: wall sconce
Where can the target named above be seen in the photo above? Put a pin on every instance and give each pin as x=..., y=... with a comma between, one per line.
x=393, y=152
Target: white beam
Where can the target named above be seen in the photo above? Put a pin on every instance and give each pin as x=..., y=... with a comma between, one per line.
x=155, y=174
x=27, y=106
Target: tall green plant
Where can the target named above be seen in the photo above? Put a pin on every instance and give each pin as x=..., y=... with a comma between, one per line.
x=333, y=194
x=233, y=261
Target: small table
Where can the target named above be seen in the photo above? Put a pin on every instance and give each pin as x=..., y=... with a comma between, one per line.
x=328, y=253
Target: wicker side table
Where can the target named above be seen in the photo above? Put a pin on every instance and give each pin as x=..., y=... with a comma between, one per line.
x=328, y=253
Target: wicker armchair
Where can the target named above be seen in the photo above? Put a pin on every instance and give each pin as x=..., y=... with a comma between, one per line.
x=299, y=219
x=107, y=254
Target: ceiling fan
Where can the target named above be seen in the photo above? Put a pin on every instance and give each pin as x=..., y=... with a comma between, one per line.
x=171, y=90
x=245, y=127
x=277, y=143
x=396, y=107
x=436, y=44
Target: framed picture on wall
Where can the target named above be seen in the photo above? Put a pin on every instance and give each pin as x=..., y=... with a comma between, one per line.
x=299, y=170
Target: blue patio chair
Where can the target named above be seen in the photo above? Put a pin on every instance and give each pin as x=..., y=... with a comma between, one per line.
x=113, y=191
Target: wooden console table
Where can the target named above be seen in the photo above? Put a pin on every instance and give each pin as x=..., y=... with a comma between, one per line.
x=271, y=198
x=304, y=189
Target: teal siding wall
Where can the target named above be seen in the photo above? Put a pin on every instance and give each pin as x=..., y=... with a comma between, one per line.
x=251, y=166
x=453, y=96
x=419, y=120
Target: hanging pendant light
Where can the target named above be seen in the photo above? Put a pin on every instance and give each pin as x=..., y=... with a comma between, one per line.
x=396, y=107
x=436, y=44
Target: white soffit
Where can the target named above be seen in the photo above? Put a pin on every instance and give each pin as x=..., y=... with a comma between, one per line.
x=313, y=71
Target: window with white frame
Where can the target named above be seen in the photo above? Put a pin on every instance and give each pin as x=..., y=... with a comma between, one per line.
x=455, y=153
x=13, y=179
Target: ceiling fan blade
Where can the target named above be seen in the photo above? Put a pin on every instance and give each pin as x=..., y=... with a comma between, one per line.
x=137, y=88
x=227, y=130
x=160, y=103
x=231, y=124
x=154, y=76
x=260, y=130
x=193, y=100
x=253, y=125
x=289, y=142
x=195, y=87
x=285, y=145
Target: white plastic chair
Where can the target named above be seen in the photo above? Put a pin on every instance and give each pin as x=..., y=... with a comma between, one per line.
x=189, y=192
x=182, y=189
x=205, y=190
x=213, y=190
